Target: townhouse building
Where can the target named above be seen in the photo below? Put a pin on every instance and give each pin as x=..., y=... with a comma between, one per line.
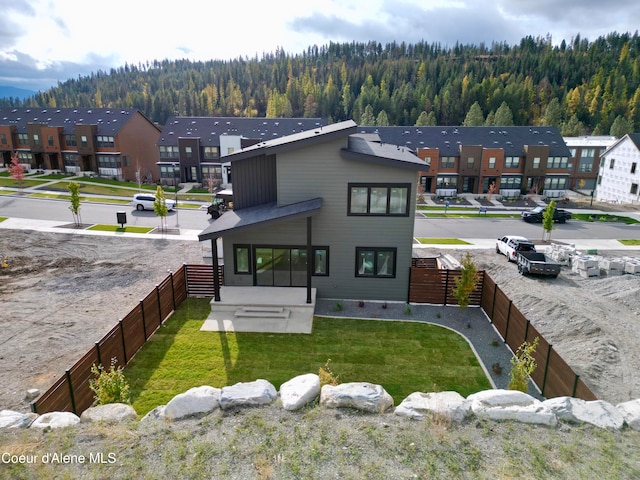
x=192, y=149
x=508, y=161
x=584, y=161
x=113, y=143
x=619, y=173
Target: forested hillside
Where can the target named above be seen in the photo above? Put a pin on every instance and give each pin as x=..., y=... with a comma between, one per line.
x=582, y=86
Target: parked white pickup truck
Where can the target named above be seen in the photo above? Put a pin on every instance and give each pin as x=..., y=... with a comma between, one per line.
x=510, y=245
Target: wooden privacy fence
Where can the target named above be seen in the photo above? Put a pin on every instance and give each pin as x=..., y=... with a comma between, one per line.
x=71, y=391
x=553, y=376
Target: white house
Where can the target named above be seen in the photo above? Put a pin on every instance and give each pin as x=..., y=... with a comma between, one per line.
x=619, y=175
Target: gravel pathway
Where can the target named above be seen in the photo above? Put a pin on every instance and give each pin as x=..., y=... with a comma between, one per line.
x=471, y=323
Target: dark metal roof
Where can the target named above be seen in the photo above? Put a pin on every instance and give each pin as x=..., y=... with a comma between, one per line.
x=635, y=138
x=296, y=140
x=259, y=216
x=364, y=148
x=209, y=129
x=449, y=139
x=109, y=121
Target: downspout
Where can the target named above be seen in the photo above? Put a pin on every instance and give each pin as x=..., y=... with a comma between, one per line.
x=216, y=278
x=309, y=260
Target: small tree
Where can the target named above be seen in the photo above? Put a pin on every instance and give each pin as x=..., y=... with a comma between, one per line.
x=160, y=207
x=522, y=366
x=74, y=189
x=547, y=221
x=15, y=169
x=466, y=283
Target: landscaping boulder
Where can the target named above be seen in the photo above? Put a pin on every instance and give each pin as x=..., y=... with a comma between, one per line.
x=154, y=414
x=196, y=400
x=110, y=413
x=12, y=419
x=363, y=396
x=299, y=391
x=631, y=412
x=56, y=420
x=451, y=405
x=511, y=405
x=248, y=394
x=575, y=410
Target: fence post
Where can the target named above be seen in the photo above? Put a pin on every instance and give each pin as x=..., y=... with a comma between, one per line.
x=546, y=369
x=575, y=385
x=159, y=304
x=186, y=278
x=506, y=328
x=124, y=343
x=73, y=400
x=98, y=350
x=173, y=290
x=526, y=330
x=144, y=323
x=493, y=305
x=446, y=286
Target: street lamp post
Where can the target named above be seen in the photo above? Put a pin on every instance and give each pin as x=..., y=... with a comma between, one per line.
x=175, y=185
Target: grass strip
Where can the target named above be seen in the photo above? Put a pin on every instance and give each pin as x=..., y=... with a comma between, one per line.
x=630, y=242
x=589, y=217
x=472, y=215
x=2, y=219
x=442, y=241
x=403, y=357
x=117, y=229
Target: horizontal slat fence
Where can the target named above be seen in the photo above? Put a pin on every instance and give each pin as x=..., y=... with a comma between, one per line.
x=553, y=376
x=71, y=391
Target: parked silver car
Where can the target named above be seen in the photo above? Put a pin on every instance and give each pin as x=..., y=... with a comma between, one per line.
x=145, y=201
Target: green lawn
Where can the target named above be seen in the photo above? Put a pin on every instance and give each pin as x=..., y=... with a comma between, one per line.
x=442, y=241
x=403, y=357
x=27, y=182
x=603, y=217
x=115, y=228
x=471, y=213
x=630, y=242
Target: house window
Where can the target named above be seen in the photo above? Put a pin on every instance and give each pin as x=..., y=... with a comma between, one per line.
x=599, y=179
x=585, y=165
x=50, y=140
x=70, y=140
x=376, y=262
x=510, y=183
x=211, y=152
x=512, y=162
x=3, y=138
x=108, y=161
x=448, y=162
x=536, y=162
x=379, y=199
x=230, y=150
x=36, y=139
x=83, y=140
x=611, y=163
x=321, y=261
x=188, y=152
x=447, y=182
x=555, y=183
x=634, y=188
x=241, y=259
x=105, y=141
x=472, y=161
x=633, y=167
x=557, y=162
x=23, y=139
x=492, y=162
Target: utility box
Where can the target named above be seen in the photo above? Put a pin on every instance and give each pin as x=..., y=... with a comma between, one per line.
x=122, y=218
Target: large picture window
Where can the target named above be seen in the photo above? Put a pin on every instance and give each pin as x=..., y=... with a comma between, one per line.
x=379, y=199
x=375, y=262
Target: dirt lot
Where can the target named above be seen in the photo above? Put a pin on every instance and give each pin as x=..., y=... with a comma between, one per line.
x=61, y=293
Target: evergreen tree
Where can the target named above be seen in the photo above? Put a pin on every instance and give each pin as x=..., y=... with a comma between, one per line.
x=367, y=118
x=573, y=128
x=621, y=126
x=382, y=120
x=475, y=117
x=422, y=120
x=504, y=116
x=553, y=114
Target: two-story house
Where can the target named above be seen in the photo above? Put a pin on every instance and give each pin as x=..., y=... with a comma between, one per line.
x=619, y=175
x=325, y=208
x=113, y=143
x=585, y=160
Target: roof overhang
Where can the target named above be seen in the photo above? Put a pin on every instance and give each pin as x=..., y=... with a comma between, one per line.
x=364, y=150
x=259, y=216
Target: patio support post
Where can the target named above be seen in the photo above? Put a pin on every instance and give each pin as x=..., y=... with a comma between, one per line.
x=216, y=278
x=309, y=259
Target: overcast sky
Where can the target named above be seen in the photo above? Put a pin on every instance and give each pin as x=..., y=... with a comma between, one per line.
x=43, y=42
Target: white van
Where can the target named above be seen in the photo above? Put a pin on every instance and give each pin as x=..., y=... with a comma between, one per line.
x=145, y=201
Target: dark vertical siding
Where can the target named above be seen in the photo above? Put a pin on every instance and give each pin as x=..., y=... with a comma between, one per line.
x=254, y=181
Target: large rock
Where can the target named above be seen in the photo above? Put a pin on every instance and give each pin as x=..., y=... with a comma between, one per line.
x=363, y=396
x=299, y=391
x=155, y=414
x=110, y=413
x=12, y=419
x=631, y=412
x=511, y=405
x=196, y=400
x=575, y=410
x=56, y=420
x=248, y=394
x=451, y=405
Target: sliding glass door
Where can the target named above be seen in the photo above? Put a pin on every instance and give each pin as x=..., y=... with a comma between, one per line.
x=280, y=266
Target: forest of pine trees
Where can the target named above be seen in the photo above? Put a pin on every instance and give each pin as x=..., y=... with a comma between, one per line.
x=582, y=87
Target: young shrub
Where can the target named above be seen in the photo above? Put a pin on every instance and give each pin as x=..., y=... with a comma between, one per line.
x=327, y=377
x=547, y=220
x=466, y=283
x=74, y=190
x=160, y=207
x=15, y=169
x=109, y=386
x=522, y=366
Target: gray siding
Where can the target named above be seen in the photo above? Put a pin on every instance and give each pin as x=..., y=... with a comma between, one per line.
x=320, y=171
x=254, y=181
